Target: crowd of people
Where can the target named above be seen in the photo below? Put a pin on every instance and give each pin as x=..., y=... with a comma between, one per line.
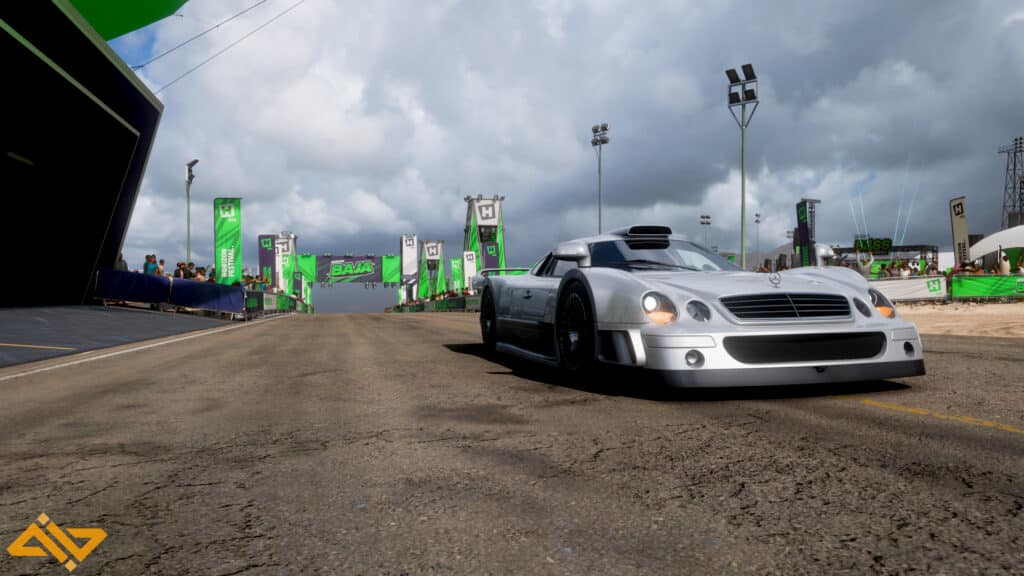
x=182, y=270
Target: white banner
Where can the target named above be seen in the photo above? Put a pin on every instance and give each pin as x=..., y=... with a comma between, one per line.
x=283, y=244
x=958, y=220
x=908, y=289
x=468, y=268
x=432, y=250
x=410, y=263
x=488, y=211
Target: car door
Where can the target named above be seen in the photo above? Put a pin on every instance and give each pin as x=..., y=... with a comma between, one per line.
x=538, y=303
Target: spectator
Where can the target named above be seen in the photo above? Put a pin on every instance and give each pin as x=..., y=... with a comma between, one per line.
x=864, y=265
x=121, y=264
x=190, y=270
x=200, y=275
x=1004, y=265
x=213, y=275
x=150, y=266
x=904, y=271
x=160, y=268
x=179, y=270
x=1020, y=264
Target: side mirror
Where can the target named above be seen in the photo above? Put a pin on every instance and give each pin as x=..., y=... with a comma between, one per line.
x=575, y=251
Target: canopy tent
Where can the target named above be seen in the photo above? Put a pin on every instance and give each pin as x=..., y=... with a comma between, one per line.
x=113, y=18
x=1009, y=238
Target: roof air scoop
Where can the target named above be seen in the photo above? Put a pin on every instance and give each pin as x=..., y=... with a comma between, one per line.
x=649, y=231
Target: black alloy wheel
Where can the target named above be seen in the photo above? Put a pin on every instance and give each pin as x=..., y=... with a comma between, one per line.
x=575, y=330
x=488, y=321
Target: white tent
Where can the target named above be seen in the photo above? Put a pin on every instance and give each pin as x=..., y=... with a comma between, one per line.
x=1009, y=238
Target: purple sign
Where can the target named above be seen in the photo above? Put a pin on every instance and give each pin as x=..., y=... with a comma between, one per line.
x=268, y=268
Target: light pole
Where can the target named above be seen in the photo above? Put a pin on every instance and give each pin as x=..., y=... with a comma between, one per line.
x=600, y=138
x=757, y=220
x=705, y=221
x=188, y=209
x=741, y=94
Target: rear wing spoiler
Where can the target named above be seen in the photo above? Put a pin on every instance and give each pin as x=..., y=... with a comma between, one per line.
x=481, y=275
x=502, y=271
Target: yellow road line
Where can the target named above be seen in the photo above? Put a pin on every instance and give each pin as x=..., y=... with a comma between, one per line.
x=925, y=412
x=2, y=344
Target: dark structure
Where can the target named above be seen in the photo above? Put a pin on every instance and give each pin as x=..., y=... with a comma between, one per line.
x=77, y=129
x=1013, y=186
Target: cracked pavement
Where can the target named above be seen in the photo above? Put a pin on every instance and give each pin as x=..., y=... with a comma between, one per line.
x=390, y=444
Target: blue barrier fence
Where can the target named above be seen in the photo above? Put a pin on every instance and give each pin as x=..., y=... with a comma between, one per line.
x=151, y=289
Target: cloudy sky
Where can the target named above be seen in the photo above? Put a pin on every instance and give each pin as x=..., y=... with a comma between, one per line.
x=350, y=123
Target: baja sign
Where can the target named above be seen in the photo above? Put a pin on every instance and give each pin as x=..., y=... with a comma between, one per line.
x=345, y=271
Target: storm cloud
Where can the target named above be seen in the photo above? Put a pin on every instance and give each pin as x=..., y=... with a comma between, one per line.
x=351, y=123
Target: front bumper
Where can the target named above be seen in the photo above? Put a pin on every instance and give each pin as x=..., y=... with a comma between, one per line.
x=776, y=376
x=664, y=350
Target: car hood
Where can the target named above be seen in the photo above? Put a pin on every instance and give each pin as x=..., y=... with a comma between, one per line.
x=713, y=285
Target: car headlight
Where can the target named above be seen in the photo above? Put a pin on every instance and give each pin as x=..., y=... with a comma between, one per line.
x=658, y=308
x=698, y=310
x=881, y=303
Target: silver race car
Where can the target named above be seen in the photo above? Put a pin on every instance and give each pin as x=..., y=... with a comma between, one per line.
x=643, y=297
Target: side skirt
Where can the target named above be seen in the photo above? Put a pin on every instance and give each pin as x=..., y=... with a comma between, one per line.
x=528, y=355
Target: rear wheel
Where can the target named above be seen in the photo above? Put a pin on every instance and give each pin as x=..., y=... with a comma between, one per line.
x=574, y=328
x=488, y=321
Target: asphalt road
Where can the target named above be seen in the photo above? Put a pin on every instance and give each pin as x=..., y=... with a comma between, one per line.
x=388, y=444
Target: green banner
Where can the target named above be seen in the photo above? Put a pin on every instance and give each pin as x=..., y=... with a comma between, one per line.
x=442, y=285
x=987, y=287
x=457, y=277
x=227, y=239
x=288, y=265
x=112, y=18
x=423, y=289
x=391, y=271
x=307, y=266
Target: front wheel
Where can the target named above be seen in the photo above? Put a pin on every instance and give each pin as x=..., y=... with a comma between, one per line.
x=574, y=324
x=488, y=321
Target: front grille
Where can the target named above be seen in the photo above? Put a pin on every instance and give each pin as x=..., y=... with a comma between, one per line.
x=786, y=306
x=804, y=347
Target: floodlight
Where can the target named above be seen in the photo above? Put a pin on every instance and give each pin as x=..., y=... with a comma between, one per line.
x=734, y=98
x=193, y=162
x=749, y=95
x=734, y=78
x=604, y=127
x=605, y=139
x=595, y=129
x=748, y=72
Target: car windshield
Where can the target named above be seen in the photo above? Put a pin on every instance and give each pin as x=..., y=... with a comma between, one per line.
x=656, y=253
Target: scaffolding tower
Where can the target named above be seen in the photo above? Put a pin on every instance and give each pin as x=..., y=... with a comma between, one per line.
x=1013, y=184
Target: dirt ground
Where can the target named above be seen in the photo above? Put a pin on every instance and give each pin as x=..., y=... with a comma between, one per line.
x=967, y=319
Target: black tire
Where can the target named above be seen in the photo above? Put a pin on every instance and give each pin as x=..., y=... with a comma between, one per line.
x=574, y=330
x=488, y=321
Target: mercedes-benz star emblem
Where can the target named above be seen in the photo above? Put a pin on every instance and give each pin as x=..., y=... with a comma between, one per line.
x=775, y=278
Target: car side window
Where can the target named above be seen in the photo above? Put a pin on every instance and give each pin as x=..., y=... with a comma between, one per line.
x=558, y=268
x=542, y=266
